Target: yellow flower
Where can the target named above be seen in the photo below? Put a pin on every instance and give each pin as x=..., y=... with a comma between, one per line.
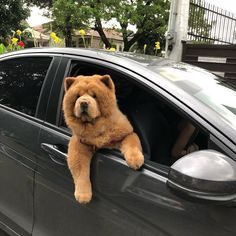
x=112, y=49
x=53, y=35
x=14, y=40
x=82, y=32
x=57, y=39
x=18, y=32
x=144, y=48
x=157, y=45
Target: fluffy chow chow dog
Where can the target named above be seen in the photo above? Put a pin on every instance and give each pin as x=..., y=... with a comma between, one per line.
x=91, y=112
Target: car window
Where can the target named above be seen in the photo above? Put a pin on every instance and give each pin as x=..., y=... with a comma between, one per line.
x=217, y=93
x=21, y=80
x=161, y=129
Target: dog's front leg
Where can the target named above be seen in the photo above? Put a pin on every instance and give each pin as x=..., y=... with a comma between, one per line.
x=132, y=151
x=79, y=159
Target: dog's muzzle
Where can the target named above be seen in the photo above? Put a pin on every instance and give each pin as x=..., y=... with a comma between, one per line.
x=84, y=106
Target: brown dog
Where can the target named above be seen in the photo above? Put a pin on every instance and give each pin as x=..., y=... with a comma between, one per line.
x=92, y=114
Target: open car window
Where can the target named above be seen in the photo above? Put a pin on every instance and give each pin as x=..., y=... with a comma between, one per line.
x=157, y=124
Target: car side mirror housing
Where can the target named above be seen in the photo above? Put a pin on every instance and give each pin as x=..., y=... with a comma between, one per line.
x=205, y=175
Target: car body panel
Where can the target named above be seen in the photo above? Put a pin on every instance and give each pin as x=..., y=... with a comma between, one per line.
x=17, y=164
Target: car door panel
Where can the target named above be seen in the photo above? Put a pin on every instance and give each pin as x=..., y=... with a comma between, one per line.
x=54, y=188
x=17, y=162
x=145, y=195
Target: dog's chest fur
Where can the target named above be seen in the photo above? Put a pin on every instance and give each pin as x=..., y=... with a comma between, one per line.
x=107, y=134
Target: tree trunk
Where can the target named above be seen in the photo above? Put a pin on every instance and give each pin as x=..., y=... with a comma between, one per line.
x=99, y=29
x=128, y=44
x=68, y=34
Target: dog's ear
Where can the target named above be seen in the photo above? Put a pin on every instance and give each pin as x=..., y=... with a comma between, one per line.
x=106, y=79
x=68, y=82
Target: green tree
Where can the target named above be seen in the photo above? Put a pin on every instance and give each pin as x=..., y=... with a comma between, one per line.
x=39, y=3
x=146, y=16
x=12, y=14
x=68, y=16
x=149, y=17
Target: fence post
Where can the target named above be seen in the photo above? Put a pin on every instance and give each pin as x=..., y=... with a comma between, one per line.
x=177, y=29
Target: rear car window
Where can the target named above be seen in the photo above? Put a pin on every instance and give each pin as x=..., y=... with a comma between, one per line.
x=21, y=80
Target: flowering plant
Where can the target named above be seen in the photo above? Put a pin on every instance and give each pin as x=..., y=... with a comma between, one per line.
x=157, y=47
x=112, y=49
x=19, y=32
x=55, y=40
x=21, y=44
x=144, y=48
x=14, y=43
x=83, y=33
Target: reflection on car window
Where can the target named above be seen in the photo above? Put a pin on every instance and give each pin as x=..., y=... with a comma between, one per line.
x=21, y=80
x=217, y=93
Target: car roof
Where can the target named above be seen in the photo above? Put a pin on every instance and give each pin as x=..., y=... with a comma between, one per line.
x=141, y=59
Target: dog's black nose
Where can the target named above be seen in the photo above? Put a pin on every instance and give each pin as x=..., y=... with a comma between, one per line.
x=84, y=106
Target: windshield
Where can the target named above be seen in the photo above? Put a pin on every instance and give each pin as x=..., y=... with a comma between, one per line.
x=217, y=93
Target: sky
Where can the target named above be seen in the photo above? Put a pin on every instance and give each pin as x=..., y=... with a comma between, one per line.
x=37, y=17
x=229, y=5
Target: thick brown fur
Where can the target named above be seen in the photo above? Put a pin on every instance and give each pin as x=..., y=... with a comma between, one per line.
x=91, y=112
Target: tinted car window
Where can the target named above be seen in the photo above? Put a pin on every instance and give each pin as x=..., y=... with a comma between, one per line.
x=217, y=93
x=21, y=81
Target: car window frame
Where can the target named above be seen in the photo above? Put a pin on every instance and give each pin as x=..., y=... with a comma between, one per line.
x=162, y=94
x=44, y=92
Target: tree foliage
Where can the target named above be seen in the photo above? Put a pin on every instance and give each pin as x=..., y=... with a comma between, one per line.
x=148, y=17
x=69, y=15
x=12, y=12
x=39, y=3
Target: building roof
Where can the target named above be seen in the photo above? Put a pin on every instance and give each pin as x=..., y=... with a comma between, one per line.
x=37, y=35
x=110, y=34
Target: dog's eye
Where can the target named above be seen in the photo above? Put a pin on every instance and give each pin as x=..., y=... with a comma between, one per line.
x=78, y=96
x=94, y=96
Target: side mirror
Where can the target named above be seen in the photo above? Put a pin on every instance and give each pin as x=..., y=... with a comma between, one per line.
x=204, y=175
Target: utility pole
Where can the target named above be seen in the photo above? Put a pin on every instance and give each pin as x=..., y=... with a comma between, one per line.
x=177, y=29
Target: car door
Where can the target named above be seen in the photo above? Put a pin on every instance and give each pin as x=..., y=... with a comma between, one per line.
x=21, y=81
x=125, y=202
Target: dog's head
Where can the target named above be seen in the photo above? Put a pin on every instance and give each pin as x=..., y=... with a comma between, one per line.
x=88, y=97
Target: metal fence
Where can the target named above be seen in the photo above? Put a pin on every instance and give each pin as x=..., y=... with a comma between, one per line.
x=211, y=24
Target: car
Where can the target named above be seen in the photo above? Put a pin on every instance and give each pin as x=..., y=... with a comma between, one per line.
x=193, y=194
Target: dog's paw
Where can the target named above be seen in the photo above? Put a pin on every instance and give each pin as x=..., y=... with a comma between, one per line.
x=83, y=193
x=134, y=159
x=83, y=198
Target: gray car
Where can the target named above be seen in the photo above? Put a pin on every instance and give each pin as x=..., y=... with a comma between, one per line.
x=190, y=195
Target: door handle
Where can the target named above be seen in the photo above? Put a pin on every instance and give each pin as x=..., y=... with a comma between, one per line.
x=55, y=153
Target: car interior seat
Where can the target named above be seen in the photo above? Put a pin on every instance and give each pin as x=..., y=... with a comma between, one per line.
x=149, y=123
x=153, y=130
